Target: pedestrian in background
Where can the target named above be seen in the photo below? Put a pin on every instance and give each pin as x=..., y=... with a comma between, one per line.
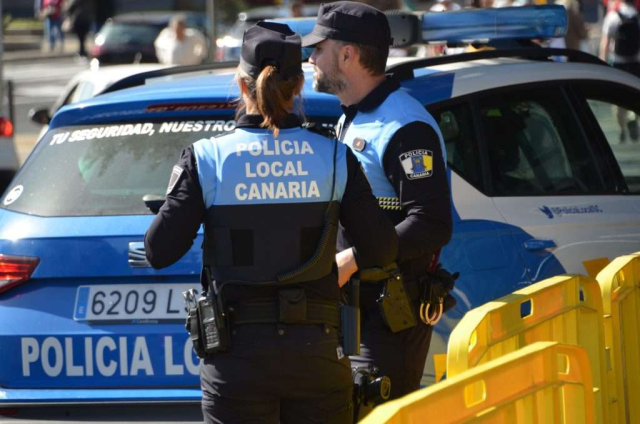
x=50, y=12
x=104, y=10
x=620, y=43
x=80, y=15
x=179, y=45
x=577, y=29
x=269, y=239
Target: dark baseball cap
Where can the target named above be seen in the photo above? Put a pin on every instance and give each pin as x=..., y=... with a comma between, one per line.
x=271, y=43
x=352, y=22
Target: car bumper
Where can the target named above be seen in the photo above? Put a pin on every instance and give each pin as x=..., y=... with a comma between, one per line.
x=32, y=397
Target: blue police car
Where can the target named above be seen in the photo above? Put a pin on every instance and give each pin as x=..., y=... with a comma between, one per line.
x=542, y=181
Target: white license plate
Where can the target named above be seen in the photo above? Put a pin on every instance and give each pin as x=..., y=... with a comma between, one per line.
x=127, y=302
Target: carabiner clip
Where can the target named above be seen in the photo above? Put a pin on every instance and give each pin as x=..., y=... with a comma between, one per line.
x=425, y=316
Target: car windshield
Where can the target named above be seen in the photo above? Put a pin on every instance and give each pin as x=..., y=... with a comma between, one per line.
x=129, y=33
x=103, y=169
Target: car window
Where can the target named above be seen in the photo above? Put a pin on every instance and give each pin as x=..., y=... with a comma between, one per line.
x=68, y=98
x=83, y=91
x=121, y=33
x=457, y=130
x=617, y=113
x=535, y=146
x=104, y=169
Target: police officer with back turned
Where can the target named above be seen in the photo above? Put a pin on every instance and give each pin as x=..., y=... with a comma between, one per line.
x=270, y=195
x=401, y=149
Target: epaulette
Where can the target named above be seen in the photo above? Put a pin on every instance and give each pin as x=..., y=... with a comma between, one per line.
x=325, y=130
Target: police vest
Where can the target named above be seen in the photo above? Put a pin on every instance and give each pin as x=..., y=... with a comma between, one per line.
x=267, y=200
x=370, y=132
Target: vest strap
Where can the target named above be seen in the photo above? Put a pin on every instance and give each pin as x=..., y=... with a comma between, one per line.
x=267, y=311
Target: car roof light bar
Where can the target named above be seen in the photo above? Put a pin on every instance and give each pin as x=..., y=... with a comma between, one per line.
x=405, y=70
x=465, y=26
x=405, y=27
x=513, y=23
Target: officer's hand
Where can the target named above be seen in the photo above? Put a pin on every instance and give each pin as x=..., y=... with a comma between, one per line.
x=346, y=266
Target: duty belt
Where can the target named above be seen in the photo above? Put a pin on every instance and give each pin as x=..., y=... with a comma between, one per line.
x=269, y=311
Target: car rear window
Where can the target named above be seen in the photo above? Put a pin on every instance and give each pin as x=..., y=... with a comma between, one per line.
x=138, y=33
x=104, y=169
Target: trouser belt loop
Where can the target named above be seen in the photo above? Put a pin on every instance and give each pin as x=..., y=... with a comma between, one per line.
x=268, y=312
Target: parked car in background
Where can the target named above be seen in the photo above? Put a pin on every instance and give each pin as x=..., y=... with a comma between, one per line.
x=129, y=38
x=85, y=85
x=228, y=46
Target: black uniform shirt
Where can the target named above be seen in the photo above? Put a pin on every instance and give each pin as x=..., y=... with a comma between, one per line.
x=173, y=230
x=424, y=224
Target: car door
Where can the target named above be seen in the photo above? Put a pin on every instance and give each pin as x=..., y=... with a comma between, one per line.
x=551, y=179
x=482, y=247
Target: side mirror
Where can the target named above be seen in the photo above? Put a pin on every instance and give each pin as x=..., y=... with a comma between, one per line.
x=40, y=116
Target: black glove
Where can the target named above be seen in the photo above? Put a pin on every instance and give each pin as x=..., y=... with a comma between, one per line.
x=436, y=287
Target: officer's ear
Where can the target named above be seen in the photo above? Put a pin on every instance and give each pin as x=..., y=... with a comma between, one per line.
x=348, y=55
x=244, y=90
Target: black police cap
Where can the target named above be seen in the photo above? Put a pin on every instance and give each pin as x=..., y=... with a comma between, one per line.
x=271, y=43
x=352, y=22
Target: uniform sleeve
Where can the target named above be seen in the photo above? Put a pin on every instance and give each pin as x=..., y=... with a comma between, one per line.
x=426, y=200
x=176, y=225
x=370, y=231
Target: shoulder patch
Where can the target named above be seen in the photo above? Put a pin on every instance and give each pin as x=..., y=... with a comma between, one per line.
x=175, y=176
x=417, y=163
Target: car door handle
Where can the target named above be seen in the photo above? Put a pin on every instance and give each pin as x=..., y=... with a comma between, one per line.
x=534, y=245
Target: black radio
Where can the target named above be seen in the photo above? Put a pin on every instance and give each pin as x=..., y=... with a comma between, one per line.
x=206, y=324
x=213, y=332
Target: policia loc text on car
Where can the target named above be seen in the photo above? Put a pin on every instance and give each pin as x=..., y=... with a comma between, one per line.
x=270, y=195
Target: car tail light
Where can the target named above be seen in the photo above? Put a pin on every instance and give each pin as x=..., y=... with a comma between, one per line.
x=6, y=127
x=96, y=50
x=15, y=270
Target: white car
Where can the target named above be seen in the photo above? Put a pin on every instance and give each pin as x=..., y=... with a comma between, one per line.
x=87, y=84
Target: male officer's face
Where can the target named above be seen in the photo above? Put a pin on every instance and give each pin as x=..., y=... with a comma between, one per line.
x=328, y=78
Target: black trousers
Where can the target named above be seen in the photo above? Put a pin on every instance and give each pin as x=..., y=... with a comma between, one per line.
x=400, y=356
x=278, y=373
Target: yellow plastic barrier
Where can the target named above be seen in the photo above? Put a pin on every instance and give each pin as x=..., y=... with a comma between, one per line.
x=565, y=309
x=545, y=383
x=620, y=285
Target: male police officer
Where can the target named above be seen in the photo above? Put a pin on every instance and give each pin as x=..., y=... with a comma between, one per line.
x=270, y=195
x=402, y=151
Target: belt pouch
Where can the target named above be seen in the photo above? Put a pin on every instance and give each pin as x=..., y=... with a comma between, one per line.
x=293, y=305
x=395, y=305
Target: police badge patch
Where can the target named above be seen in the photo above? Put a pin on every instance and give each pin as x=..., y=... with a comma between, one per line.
x=417, y=163
x=175, y=176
